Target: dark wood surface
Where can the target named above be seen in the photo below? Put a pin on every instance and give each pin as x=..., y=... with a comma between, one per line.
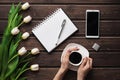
x=106, y=62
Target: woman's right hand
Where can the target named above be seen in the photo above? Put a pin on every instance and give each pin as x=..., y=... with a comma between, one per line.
x=84, y=68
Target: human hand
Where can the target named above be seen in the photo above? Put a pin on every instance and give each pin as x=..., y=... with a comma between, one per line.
x=84, y=68
x=65, y=58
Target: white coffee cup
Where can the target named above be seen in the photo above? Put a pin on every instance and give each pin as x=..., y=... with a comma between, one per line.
x=75, y=58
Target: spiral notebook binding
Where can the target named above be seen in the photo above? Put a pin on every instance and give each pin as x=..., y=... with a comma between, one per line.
x=46, y=18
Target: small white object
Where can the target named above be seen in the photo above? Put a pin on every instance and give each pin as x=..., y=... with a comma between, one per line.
x=34, y=67
x=27, y=19
x=35, y=51
x=25, y=6
x=25, y=35
x=15, y=31
x=22, y=51
x=96, y=46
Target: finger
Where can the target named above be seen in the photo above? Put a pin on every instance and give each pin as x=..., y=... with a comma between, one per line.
x=64, y=58
x=67, y=54
x=91, y=60
x=84, y=62
x=72, y=49
x=87, y=63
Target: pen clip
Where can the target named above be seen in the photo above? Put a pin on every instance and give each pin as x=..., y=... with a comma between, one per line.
x=63, y=23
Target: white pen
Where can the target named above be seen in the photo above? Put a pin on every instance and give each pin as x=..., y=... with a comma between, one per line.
x=63, y=25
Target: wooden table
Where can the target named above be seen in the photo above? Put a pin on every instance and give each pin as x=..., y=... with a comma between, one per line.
x=106, y=62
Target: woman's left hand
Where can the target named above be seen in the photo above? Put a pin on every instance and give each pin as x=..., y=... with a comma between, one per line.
x=65, y=58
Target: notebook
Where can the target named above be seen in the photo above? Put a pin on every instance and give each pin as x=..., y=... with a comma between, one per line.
x=48, y=30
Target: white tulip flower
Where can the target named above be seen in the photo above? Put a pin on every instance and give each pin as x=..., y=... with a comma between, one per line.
x=25, y=6
x=34, y=67
x=25, y=35
x=27, y=19
x=35, y=51
x=15, y=31
x=22, y=51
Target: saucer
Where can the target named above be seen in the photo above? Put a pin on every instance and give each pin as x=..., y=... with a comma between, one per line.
x=82, y=50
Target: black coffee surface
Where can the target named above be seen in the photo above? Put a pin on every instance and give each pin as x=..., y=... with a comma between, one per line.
x=75, y=57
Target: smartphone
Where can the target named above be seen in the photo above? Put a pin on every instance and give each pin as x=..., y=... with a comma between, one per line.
x=92, y=23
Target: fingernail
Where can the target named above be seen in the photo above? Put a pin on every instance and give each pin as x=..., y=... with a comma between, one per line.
x=69, y=50
x=77, y=48
x=85, y=57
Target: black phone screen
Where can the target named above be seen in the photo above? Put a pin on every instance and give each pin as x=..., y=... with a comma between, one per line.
x=92, y=23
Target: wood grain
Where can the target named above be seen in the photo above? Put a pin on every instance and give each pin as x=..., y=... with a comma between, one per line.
x=73, y=11
x=106, y=27
x=106, y=62
x=95, y=74
x=107, y=44
x=100, y=59
x=61, y=1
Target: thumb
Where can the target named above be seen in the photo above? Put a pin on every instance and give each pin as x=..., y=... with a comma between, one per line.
x=84, y=62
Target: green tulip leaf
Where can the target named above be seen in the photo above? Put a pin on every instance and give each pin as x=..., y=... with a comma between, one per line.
x=19, y=19
x=12, y=50
x=14, y=21
x=23, y=69
x=12, y=9
x=12, y=66
x=1, y=50
x=4, y=60
x=14, y=45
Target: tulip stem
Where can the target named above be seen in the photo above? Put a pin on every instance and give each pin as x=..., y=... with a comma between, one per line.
x=16, y=54
x=26, y=55
x=12, y=58
x=18, y=41
x=20, y=9
x=23, y=58
x=26, y=60
x=20, y=24
x=21, y=73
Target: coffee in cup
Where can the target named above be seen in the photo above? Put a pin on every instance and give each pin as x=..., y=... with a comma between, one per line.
x=75, y=58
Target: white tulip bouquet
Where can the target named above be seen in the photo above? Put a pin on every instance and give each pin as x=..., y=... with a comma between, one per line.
x=13, y=62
